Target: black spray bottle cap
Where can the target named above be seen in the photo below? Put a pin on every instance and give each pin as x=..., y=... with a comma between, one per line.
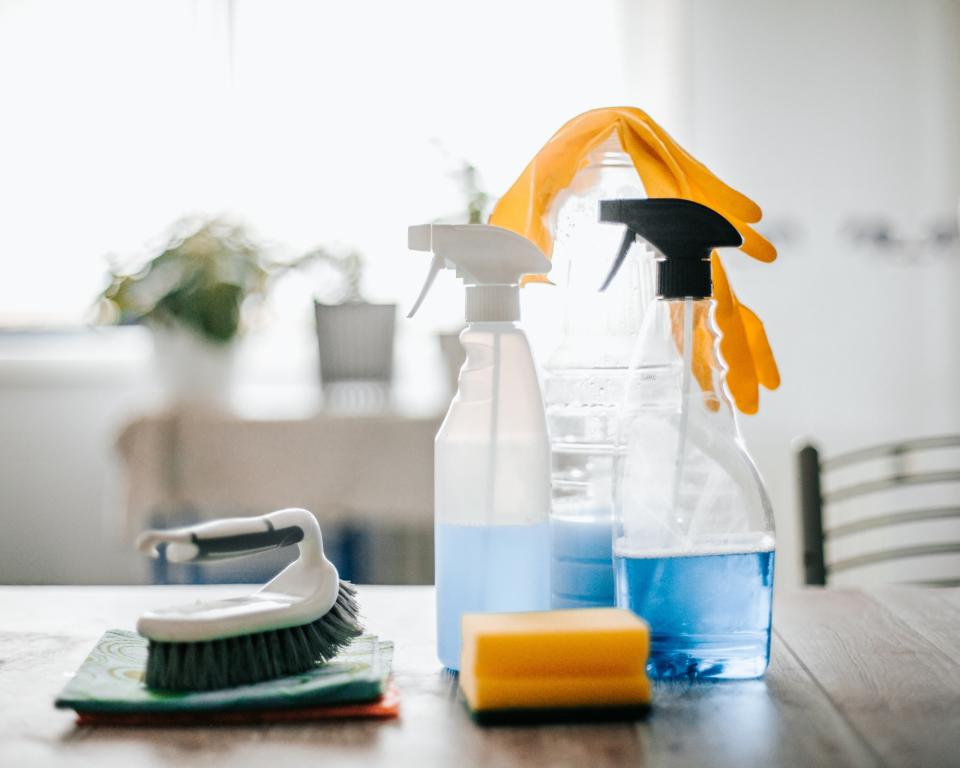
x=684, y=232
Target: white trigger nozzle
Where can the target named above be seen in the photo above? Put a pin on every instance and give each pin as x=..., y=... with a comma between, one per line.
x=435, y=266
x=490, y=260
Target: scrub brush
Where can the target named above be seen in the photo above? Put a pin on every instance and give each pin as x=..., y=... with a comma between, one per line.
x=301, y=618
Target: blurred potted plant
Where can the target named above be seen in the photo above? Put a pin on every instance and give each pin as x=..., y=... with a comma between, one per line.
x=191, y=295
x=355, y=336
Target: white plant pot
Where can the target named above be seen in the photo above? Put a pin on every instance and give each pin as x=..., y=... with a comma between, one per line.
x=193, y=372
x=356, y=354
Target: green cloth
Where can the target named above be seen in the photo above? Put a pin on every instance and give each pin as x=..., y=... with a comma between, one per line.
x=110, y=680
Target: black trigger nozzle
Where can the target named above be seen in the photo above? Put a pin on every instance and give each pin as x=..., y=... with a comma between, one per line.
x=683, y=233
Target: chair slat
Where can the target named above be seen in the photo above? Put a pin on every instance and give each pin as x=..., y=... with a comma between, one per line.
x=921, y=550
x=893, y=481
x=890, y=449
x=894, y=518
x=935, y=583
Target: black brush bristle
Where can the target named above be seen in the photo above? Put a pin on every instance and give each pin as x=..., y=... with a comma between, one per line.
x=248, y=659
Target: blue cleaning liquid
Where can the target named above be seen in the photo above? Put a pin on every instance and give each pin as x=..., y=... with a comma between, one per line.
x=491, y=568
x=709, y=614
x=581, y=566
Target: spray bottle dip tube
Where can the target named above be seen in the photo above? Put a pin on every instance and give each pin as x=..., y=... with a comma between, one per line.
x=491, y=455
x=693, y=531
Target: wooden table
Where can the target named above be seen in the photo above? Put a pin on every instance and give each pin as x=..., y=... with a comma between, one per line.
x=856, y=678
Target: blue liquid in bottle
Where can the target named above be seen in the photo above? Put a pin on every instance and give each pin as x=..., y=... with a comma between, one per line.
x=709, y=614
x=487, y=568
x=581, y=567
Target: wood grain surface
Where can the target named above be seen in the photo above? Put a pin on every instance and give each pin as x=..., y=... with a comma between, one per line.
x=856, y=679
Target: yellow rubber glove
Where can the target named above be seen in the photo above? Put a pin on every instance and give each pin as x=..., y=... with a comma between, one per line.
x=667, y=170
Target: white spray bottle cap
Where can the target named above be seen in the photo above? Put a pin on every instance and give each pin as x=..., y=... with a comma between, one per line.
x=490, y=261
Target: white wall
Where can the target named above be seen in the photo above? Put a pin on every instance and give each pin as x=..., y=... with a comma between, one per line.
x=819, y=110
x=63, y=399
x=823, y=111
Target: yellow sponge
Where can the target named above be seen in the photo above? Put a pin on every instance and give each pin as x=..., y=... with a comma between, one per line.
x=567, y=665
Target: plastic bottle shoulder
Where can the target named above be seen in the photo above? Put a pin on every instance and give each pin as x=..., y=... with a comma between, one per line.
x=492, y=458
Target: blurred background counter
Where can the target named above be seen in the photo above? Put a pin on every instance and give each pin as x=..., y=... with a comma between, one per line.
x=368, y=479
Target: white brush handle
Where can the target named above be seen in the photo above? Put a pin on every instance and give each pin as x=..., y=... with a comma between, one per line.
x=301, y=593
x=231, y=537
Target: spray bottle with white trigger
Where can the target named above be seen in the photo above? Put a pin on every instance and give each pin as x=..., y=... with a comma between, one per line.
x=492, y=453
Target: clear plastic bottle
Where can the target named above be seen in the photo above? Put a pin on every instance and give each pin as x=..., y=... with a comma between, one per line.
x=694, y=533
x=585, y=375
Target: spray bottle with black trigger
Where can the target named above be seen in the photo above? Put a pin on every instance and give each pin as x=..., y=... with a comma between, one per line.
x=693, y=527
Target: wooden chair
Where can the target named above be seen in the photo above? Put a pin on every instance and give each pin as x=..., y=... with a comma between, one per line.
x=814, y=500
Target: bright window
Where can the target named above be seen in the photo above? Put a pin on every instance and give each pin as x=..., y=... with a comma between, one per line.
x=315, y=122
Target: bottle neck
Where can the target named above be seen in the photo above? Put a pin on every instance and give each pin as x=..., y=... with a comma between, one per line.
x=681, y=278
x=492, y=303
x=681, y=333
x=492, y=326
x=598, y=328
x=609, y=154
